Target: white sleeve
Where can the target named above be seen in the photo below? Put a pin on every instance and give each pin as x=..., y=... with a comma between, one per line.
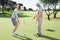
x=16, y=13
x=40, y=8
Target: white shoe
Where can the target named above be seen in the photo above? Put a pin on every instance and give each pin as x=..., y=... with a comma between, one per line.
x=14, y=34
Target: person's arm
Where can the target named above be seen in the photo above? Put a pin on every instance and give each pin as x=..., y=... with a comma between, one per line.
x=34, y=17
x=16, y=14
x=18, y=20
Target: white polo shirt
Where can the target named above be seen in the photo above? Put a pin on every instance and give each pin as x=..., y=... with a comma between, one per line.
x=15, y=14
x=40, y=9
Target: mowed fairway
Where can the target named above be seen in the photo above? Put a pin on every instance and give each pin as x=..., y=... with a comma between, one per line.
x=27, y=28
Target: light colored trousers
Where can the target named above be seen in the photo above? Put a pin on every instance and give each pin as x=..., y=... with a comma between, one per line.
x=39, y=23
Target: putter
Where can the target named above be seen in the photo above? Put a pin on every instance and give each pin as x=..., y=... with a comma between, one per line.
x=22, y=29
x=23, y=21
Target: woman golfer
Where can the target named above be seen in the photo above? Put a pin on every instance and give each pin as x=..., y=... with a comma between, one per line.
x=15, y=19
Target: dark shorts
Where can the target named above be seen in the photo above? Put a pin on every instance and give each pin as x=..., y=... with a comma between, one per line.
x=14, y=21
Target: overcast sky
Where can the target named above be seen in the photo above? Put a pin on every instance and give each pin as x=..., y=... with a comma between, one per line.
x=28, y=3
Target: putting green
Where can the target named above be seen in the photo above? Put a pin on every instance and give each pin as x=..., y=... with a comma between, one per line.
x=27, y=26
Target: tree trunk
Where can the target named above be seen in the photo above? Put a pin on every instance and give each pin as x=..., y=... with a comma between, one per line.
x=55, y=15
x=55, y=11
x=48, y=17
x=48, y=13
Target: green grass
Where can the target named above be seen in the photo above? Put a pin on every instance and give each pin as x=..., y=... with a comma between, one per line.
x=50, y=29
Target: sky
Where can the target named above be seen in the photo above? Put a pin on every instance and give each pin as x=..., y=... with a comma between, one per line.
x=28, y=3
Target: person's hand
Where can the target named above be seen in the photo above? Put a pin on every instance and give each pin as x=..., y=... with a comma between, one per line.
x=19, y=22
x=36, y=18
x=33, y=17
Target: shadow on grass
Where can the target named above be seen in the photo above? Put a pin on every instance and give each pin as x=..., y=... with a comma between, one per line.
x=48, y=37
x=22, y=37
x=51, y=30
x=8, y=15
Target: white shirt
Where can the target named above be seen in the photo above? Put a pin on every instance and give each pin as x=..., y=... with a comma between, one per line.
x=40, y=9
x=15, y=14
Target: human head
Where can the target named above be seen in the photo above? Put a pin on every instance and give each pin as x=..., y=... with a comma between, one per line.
x=17, y=6
x=38, y=5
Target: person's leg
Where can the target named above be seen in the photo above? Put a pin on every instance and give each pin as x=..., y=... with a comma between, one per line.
x=39, y=22
x=39, y=27
x=15, y=28
x=15, y=24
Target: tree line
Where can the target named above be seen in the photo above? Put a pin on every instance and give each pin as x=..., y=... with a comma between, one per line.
x=53, y=4
x=9, y=5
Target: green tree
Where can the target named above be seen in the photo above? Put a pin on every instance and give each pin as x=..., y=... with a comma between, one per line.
x=50, y=2
x=11, y=4
x=30, y=9
x=3, y=3
x=6, y=3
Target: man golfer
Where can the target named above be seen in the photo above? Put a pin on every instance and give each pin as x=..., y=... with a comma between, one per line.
x=38, y=18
